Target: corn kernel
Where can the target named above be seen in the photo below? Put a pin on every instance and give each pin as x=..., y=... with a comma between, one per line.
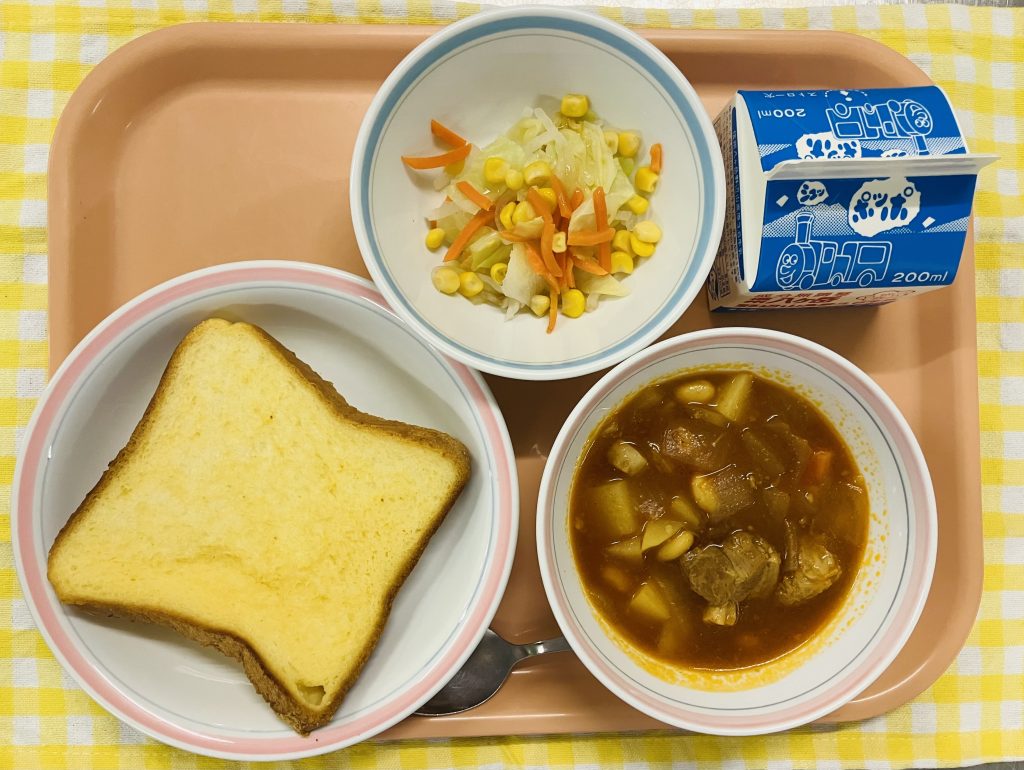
x=505, y=215
x=637, y=204
x=622, y=262
x=559, y=243
x=647, y=231
x=514, y=180
x=629, y=144
x=435, y=238
x=640, y=248
x=537, y=173
x=498, y=271
x=573, y=303
x=446, y=280
x=620, y=242
x=470, y=284
x=548, y=194
x=495, y=170
x=646, y=180
x=523, y=212
x=456, y=168
x=539, y=304
x=612, y=140
x=575, y=105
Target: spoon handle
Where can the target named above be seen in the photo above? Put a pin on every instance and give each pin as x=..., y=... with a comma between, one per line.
x=558, y=644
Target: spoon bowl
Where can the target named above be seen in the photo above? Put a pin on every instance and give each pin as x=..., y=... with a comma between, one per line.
x=484, y=673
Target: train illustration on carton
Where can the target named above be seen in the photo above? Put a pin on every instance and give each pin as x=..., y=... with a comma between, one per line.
x=849, y=197
x=806, y=263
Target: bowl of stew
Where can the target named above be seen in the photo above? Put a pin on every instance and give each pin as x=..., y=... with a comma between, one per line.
x=736, y=531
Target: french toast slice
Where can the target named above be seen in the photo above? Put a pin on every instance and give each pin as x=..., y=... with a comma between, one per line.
x=255, y=511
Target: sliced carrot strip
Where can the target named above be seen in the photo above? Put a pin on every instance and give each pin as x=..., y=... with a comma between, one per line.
x=600, y=209
x=553, y=310
x=445, y=134
x=567, y=269
x=552, y=282
x=478, y=221
x=539, y=204
x=563, y=201
x=475, y=195
x=546, y=236
x=591, y=237
x=533, y=259
x=588, y=266
x=817, y=469
x=537, y=265
x=656, y=158
x=438, y=161
x=576, y=199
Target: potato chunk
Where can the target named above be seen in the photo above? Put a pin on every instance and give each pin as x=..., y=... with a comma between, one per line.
x=649, y=603
x=734, y=395
x=616, y=510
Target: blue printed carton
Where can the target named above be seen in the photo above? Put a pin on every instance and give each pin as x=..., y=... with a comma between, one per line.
x=841, y=197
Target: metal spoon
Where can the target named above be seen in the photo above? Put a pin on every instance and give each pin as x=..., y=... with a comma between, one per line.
x=484, y=673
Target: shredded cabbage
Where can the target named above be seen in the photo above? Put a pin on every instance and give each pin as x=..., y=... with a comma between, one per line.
x=600, y=284
x=521, y=283
x=578, y=154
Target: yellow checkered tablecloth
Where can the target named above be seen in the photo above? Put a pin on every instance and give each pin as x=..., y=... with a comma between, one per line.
x=974, y=713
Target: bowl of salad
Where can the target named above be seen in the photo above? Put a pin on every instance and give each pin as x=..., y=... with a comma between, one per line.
x=538, y=192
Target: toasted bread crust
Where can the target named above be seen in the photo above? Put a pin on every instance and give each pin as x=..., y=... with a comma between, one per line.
x=301, y=717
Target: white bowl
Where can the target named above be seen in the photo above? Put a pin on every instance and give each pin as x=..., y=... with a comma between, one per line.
x=476, y=76
x=189, y=696
x=882, y=606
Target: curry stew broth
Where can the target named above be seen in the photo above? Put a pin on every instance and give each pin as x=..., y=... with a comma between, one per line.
x=804, y=497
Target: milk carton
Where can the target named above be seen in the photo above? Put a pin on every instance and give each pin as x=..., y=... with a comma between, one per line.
x=840, y=197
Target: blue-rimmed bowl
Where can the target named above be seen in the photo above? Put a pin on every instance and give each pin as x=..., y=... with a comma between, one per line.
x=476, y=76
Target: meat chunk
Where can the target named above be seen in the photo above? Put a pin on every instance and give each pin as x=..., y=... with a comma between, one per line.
x=811, y=568
x=692, y=447
x=756, y=561
x=743, y=566
x=711, y=574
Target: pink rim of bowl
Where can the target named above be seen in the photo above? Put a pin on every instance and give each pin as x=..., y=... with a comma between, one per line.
x=45, y=607
x=882, y=651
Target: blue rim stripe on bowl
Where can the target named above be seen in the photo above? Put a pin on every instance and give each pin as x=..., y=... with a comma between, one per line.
x=704, y=153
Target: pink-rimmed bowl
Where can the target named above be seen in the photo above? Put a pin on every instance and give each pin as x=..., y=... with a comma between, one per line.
x=193, y=698
x=880, y=609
